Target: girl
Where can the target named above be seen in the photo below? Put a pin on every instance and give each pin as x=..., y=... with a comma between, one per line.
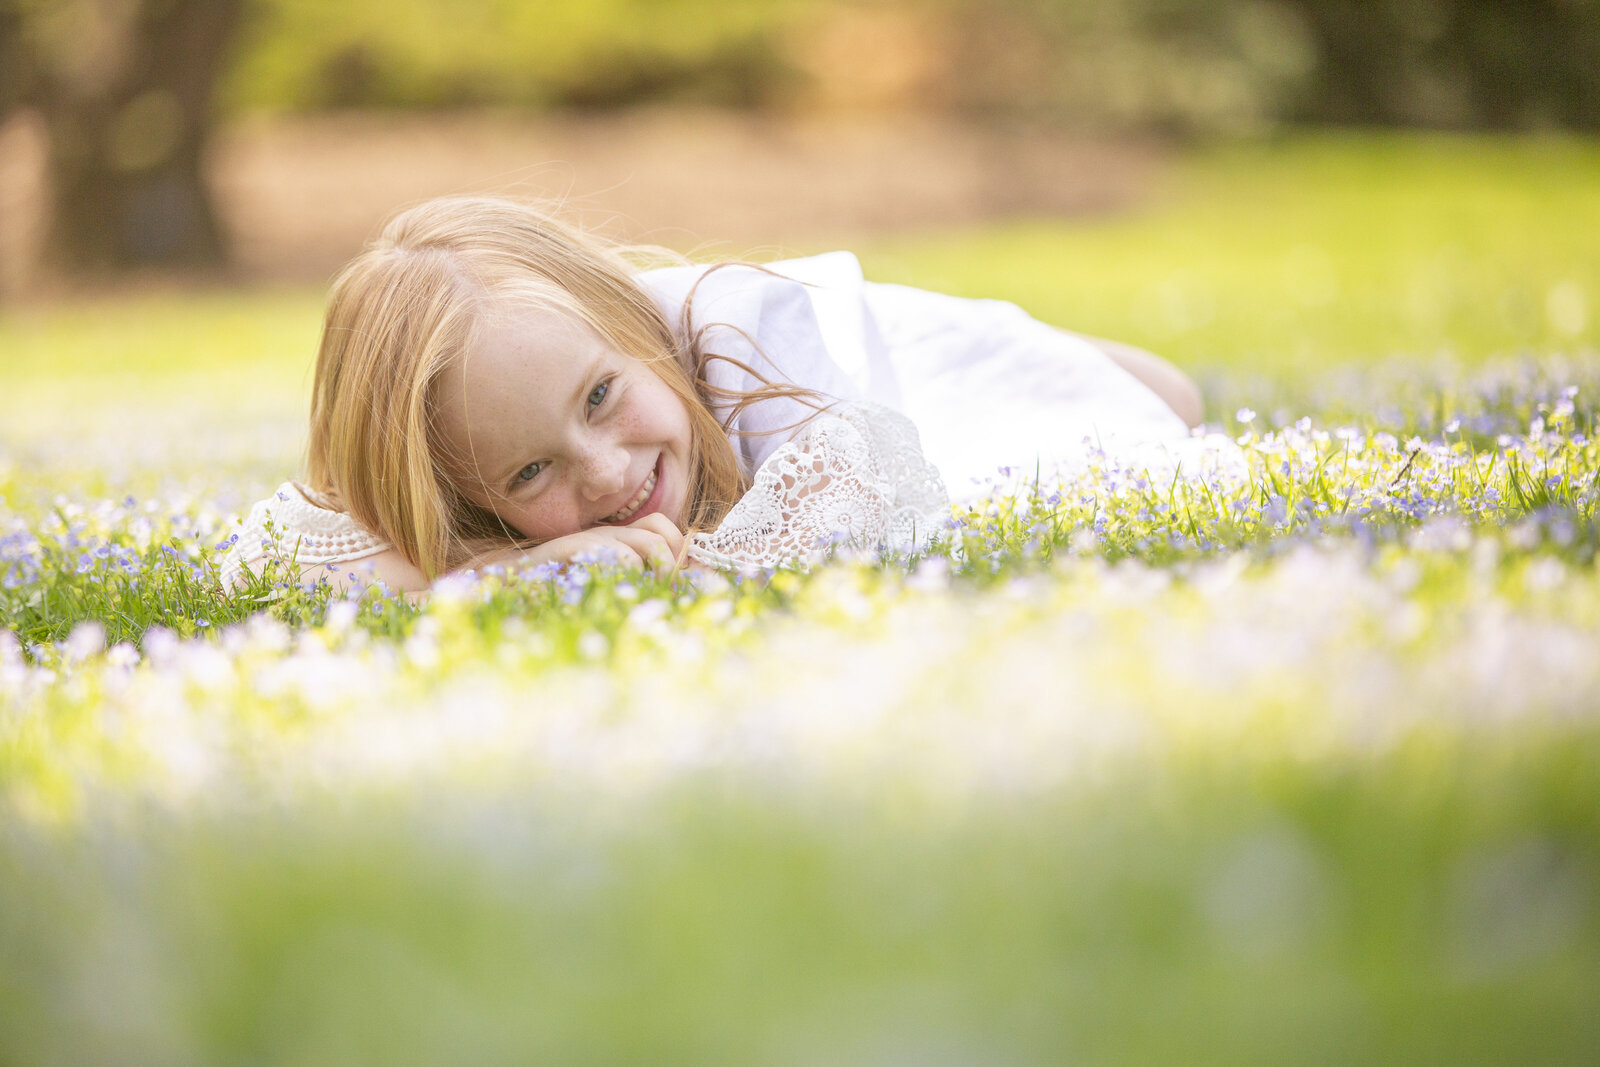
x=494, y=386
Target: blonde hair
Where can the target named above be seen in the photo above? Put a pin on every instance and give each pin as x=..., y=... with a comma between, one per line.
x=412, y=304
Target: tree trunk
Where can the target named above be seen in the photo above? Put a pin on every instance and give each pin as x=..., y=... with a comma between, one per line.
x=1514, y=64
x=14, y=66
x=126, y=156
x=1529, y=62
x=1359, y=61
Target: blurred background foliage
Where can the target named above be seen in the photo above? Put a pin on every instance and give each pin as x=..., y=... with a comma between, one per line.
x=1190, y=65
x=128, y=93
x=301, y=55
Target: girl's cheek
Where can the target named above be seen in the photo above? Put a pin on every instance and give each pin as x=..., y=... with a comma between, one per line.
x=550, y=519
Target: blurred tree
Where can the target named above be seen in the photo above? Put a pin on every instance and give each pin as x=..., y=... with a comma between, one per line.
x=11, y=60
x=310, y=55
x=1499, y=64
x=1232, y=65
x=125, y=89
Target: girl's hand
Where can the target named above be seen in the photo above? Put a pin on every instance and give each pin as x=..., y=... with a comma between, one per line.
x=652, y=543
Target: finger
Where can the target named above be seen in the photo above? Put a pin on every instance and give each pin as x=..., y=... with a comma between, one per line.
x=592, y=545
x=653, y=549
x=659, y=523
x=625, y=555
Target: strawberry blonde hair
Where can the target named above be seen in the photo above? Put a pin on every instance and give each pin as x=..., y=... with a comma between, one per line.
x=408, y=308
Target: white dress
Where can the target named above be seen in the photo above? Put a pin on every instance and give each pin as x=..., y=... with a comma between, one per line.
x=930, y=392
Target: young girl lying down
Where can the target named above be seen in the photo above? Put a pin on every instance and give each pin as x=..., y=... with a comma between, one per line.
x=494, y=386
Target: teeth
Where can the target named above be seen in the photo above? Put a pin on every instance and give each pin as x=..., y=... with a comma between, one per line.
x=627, y=510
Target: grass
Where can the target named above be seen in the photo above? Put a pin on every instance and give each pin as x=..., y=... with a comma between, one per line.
x=1298, y=763
x=1281, y=259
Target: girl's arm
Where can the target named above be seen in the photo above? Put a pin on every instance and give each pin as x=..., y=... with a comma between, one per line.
x=652, y=543
x=854, y=475
x=388, y=567
x=330, y=546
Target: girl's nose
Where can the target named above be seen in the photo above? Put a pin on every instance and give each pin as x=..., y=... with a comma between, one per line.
x=603, y=467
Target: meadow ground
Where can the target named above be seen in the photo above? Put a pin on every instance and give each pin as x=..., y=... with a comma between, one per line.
x=1300, y=766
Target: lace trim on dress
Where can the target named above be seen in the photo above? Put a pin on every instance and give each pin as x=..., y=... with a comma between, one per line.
x=312, y=535
x=855, y=475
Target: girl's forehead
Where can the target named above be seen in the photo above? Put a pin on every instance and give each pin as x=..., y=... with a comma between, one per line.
x=531, y=296
x=513, y=380
x=531, y=320
x=519, y=310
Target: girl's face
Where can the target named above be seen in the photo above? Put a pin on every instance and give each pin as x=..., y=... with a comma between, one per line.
x=561, y=432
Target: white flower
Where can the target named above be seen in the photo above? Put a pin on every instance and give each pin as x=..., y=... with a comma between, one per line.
x=86, y=639
x=342, y=615
x=122, y=655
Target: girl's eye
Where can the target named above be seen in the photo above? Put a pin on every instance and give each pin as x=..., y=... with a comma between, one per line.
x=598, y=396
x=529, y=473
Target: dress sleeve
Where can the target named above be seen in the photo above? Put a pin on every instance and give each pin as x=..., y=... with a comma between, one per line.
x=855, y=475
x=287, y=525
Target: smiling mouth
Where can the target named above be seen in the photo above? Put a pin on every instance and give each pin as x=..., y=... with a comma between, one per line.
x=642, y=497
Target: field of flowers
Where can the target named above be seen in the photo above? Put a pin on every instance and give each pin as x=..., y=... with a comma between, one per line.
x=1295, y=765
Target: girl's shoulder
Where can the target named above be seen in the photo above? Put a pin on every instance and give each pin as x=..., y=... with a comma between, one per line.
x=299, y=524
x=804, y=320
x=734, y=282
x=304, y=509
x=801, y=322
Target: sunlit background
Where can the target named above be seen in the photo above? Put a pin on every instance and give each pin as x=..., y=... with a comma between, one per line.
x=265, y=138
x=1250, y=187
x=1306, y=770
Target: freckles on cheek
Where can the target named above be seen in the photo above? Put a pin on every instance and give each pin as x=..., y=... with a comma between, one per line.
x=629, y=422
